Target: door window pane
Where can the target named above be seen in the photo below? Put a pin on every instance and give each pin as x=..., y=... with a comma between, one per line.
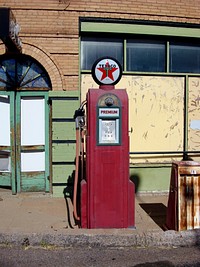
x=5, y=120
x=32, y=121
x=145, y=55
x=184, y=58
x=4, y=161
x=95, y=48
x=32, y=161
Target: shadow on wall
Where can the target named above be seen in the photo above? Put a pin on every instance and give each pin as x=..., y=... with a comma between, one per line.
x=136, y=180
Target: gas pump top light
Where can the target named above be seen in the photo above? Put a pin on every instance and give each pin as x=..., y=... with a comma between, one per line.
x=106, y=71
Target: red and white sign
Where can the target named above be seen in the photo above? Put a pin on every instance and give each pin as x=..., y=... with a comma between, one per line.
x=106, y=71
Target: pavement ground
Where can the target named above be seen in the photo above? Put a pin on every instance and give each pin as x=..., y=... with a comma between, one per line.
x=38, y=219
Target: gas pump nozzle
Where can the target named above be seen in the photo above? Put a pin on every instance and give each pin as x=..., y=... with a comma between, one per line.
x=79, y=116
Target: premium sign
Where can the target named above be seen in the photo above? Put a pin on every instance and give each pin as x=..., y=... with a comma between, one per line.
x=108, y=112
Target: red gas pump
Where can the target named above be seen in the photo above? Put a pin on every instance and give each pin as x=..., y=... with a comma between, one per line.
x=107, y=194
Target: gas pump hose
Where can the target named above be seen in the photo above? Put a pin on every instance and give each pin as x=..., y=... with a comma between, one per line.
x=79, y=121
x=76, y=175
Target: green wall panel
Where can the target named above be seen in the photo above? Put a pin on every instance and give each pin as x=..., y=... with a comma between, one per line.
x=64, y=108
x=64, y=105
x=150, y=178
x=63, y=131
x=62, y=191
x=63, y=173
x=63, y=152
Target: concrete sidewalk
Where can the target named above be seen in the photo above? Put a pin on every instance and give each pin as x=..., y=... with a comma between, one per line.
x=39, y=219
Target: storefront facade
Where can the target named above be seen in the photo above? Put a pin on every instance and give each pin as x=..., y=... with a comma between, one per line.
x=158, y=46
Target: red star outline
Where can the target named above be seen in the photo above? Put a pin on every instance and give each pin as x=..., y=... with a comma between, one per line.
x=107, y=71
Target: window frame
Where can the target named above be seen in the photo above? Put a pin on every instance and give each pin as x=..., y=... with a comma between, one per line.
x=144, y=30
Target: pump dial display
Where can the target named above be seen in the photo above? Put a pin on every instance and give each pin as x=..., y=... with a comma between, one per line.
x=108, y=131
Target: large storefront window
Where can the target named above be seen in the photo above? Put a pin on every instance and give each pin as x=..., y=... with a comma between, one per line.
x=184, y=58
x=145, y=55
x=142, y=55
x=95, y=48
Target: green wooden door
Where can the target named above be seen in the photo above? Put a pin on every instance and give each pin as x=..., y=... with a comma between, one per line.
x=7, y=141
x=32, y=141
x=24, y=143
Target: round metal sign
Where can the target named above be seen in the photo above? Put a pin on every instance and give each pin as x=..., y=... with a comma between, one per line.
x=106, y=71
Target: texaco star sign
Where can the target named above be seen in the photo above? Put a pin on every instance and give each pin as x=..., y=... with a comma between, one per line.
x=107, y=71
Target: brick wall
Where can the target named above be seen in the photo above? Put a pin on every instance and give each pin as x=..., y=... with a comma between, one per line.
x=52, y=26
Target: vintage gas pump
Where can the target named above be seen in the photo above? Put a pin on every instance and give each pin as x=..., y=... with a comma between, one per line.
x=107, y=194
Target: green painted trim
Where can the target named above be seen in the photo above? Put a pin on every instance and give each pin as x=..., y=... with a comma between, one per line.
x=125, y=55
x=150, y=165
x=13, y=142
x=126, y=73
x=8, y=178
x=64, y=93
x=186, y=100
x=18, y=141
x=167, y=57
x=47, y=163
x=139, y=29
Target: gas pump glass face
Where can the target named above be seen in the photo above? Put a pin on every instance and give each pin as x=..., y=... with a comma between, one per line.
x=108, y=132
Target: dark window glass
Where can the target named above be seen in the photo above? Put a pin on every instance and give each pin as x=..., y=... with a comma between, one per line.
x=95, y=48
x=22, y=71
x=184, y=58
x=145, y=56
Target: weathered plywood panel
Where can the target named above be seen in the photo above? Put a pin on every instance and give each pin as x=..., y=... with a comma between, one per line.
x=194, y=115
x=156, y=113
x=156, y=106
